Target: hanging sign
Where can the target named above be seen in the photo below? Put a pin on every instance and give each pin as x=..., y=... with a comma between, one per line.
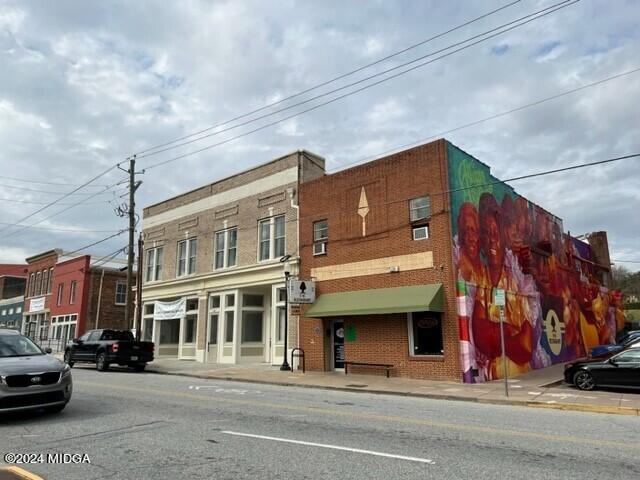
x=302, y=291
x=498, y=297
x=169, y=310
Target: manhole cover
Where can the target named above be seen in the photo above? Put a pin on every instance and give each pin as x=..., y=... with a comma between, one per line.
x=356, y=385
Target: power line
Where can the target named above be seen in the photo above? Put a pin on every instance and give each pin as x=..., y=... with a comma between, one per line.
x=353, y=92
x=108, y=257
x=95, y=243
x=482, y=120
x=24, y=227
x=45, y=183
x=14, y=200
x=43, y=191
x=71, y=230
x=626, y=261
x=536, y=15
x=332, y=80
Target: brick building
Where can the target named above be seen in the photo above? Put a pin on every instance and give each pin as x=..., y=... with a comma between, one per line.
x=67, y=295
x=213, y=288
x=407, y=252
x=13, y=278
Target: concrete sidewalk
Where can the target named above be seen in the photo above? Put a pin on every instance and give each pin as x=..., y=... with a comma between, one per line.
x=542, y=388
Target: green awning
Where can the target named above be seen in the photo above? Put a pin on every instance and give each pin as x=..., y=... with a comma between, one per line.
x=416, y=298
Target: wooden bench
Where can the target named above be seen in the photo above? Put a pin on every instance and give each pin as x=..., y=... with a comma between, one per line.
x=386, y=366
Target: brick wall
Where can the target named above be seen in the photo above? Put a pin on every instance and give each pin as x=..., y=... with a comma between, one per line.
x=110, y=315
x=389, y=184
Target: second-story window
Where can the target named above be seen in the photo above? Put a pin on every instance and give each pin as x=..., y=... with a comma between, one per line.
x=187, y=250
x=32, y=284
x=271, y=238
x=121, y=293
x=320, y=236
x=72, y=292
x=154, y=264
x=60, y=292
x=45, y=281
x=419, y=209
x=38, y=283
x=50, y=280
x=225, y=248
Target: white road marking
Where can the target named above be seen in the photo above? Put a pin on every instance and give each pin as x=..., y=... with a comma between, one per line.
x=333, y=447
x=534, y=393
x=217, y=389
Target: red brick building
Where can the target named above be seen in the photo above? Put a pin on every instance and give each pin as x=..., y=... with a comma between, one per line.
x=67, y=295
x=407, y=252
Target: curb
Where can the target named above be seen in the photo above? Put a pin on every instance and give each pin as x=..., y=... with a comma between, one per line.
x=434, y=396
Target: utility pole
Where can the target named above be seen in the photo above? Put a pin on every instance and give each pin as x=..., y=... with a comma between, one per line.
x=130, y=211
x=130, y=250
x=138, y=322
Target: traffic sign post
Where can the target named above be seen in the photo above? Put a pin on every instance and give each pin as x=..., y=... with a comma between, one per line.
x=302, y=291
x=499, y=301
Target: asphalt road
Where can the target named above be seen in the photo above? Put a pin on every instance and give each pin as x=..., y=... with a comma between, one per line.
x=148, y=426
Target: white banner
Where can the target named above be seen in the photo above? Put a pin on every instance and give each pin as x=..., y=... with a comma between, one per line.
x=36, y=304
x=169, y=310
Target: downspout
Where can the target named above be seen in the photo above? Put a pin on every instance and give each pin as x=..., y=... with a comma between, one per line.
x=297, y=208
x=99, y=299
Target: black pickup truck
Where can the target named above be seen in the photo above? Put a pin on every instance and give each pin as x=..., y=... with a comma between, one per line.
x=105, y=347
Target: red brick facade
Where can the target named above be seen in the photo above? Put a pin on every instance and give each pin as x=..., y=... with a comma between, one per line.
x=389, y=184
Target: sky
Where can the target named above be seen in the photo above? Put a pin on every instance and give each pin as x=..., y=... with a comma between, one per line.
x=86, y=84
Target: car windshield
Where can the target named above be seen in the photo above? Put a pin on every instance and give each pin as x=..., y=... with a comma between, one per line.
x=17, y=346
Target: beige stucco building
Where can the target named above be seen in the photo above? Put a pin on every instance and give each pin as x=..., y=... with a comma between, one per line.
x=213, y=283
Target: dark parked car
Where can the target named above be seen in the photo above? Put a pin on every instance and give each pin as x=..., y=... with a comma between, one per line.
x=106, y=347
x=627, y=341
x=29, y=377
x=620, y=369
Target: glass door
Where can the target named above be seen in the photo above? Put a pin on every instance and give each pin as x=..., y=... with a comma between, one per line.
x=338, y=344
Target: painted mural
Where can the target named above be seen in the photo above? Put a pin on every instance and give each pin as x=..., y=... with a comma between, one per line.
x=555, y=309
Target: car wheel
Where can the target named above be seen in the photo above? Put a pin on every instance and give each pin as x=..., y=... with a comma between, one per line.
x=101, y=362
x=67, y=358
x=139, y=367
x=583, y=380
x=55, y=409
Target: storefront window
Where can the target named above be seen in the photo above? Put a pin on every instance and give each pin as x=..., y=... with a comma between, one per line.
x=426, y=333
x=170, y=331
x=251, y=326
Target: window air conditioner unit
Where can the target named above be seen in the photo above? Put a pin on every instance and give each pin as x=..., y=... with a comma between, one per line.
x=319, y=248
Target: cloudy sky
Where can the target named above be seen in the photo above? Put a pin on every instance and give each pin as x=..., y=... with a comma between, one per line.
x=85, y=84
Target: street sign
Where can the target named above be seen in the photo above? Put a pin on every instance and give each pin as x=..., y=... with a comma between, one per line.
x=302, y=291
x=295, y=310
x=498, y=297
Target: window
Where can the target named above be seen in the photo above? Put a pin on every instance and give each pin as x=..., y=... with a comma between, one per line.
x=320, y=236
x=228, y=329
x=11, y=311
x=425, y=333
x=72, y=292
x=630, y=356
x=50, y=280
x=60, y=291
x=38, y=283
x=214, y=315
x=190, y=328
x=225, y=248
x=154, y=264
x=280, y=325
x=187, y=250
x=32, y=284
x=271, y=238
x=251, y=326
x=121, y=293
x=4, y=312
x=419, y=209
x=421, y=233
x=249, y=300
x=95, y=336
x=45, y=281
x=19, y=310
